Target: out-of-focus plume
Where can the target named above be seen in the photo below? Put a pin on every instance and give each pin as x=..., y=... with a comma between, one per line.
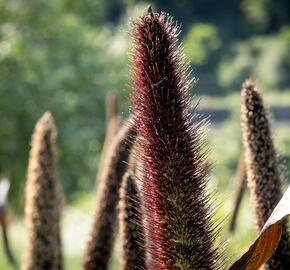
x=131, y=225
x=112, y=115
x=102, y=235
x=262, y=169
x=43, y=201
x=112, y=128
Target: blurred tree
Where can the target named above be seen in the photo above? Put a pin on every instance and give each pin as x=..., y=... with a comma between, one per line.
x=200, y=42
x=267, y=15
x=202, y=46
x=96, y=12
x=284, y=36
x=264, y=57
x=50, y=59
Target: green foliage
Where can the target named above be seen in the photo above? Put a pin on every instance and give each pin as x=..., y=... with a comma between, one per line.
x=263, y=57
x=284, y=36
x=266, y=15
x=200, y=42
x=257, y=12
x=54, y=61
x=226, y=146
x=94, y=12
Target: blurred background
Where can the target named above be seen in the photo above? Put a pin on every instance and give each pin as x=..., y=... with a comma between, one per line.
x=65, y=55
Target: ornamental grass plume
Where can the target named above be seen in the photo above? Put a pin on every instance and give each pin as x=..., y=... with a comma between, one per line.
x=240, y=185
x=176, y=203
x=43, y=201
x=102, y=235
x=262, y=170
x=112, y=127
x=131, y=229
x=112, y=115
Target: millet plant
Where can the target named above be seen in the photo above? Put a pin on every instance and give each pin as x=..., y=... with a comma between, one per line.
x=263, y=175
x=131, y=227
x=102, y=235
x=176, y=203
x=43, y=201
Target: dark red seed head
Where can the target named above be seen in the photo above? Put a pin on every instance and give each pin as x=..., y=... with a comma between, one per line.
x=174, y=166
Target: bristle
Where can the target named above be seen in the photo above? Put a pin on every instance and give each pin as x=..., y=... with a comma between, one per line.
x=101, y=239
x=240, y=185
x=149, y=11
x=174, y=174
x=131, y=225
x=43, y=201
x=262, y=169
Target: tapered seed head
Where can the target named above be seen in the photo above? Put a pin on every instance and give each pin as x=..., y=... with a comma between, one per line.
x=131, y=225
x=43, y=201
x=262, y=169
x=174, y=165
x=102, y=235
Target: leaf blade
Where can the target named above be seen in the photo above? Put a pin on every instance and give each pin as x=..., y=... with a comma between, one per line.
x=266, y=243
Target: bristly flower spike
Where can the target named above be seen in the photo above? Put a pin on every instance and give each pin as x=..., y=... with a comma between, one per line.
x=43, y=201
x=131, y=228
x=178, y=219
x=262, y=169
x=102, y=235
